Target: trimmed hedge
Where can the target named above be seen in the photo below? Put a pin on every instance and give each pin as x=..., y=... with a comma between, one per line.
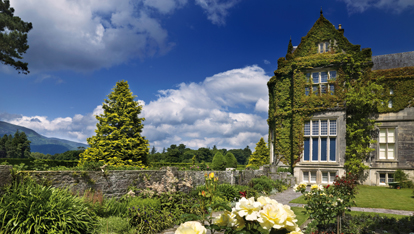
x=30, y=162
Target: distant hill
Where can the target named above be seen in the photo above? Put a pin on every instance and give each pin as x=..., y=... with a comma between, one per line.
x=40, y=143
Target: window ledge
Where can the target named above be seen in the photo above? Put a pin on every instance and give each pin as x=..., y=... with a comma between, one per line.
x=386, y=161
x=320, y=163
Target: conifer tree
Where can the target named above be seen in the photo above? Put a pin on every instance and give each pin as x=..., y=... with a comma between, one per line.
x=219, y=162
x=231, y=161
x=118, y=139
x=13, y=37
x=260, y=156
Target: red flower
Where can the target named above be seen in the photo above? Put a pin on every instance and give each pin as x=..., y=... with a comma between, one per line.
x=327, y=186
x=242, y=194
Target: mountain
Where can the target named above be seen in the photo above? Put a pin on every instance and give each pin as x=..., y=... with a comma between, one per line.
x=40, y=143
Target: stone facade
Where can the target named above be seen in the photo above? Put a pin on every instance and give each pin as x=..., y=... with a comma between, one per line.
x=116, y=183
x=314, y=73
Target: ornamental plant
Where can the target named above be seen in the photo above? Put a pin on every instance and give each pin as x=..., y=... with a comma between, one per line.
x=118, y=139
x=326, y=203
x=263, y=215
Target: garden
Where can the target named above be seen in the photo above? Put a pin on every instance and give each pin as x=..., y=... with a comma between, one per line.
x=29, y=206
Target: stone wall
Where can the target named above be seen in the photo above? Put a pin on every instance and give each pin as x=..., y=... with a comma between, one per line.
x=116, y=183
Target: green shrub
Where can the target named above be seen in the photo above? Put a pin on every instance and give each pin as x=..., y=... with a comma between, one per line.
x=262, y=184
x=219, y=162
x=228, y=191
x=105, y=207
x=149, y=202
x=405, y=182
x=231, y=161
x=149, y=220
x=114, y=225
x=27, y=207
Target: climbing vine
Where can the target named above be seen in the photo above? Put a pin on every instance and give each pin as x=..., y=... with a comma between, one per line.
x=357, y=90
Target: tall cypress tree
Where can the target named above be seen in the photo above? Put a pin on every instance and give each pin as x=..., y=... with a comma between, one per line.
x=261, y=154
x=118, y=139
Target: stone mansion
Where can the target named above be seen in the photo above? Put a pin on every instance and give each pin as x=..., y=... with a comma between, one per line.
x=308, y=113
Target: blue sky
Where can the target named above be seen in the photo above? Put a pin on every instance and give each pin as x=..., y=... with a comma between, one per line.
x=199, y=67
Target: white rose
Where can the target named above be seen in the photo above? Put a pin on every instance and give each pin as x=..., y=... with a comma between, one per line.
x=191, y=227
x=247, y=208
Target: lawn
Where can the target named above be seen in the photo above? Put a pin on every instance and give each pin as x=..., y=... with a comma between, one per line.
x=379, y=197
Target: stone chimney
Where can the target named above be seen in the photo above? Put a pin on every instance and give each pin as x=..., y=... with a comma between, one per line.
x=340, y=29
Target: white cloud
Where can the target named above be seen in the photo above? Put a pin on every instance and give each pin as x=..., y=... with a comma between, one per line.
x=262, y=105
x=361, y=5
x=266, y=62
x=217, y=10
x=195, y=114
x=89, y=35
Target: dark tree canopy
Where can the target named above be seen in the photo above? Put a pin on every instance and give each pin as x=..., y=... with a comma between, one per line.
x=13, y=38
x=15, y=147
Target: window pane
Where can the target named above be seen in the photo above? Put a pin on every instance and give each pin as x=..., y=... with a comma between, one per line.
x=382, y=150
x=307, y=91
x=390, y=152
x=324, y=127
x=307, y=128
x=321, y=48
x=307, y=77
x=315, y=89
x=313, y=176
x=323, y=88
x=331, y=89
x=382, y=178
x=383, y=136
x=306, y=149
x=306, y=176
x=390, y=104
x=315, y=149
x=391, y=91
x=390, y=135
x=315, y=77
x=332, y=127
x=390, y=178
x=324, y=149
x=315, y=128
x=332, y=75
x=324, y=177
x=324, y=77
x=332, y=149
x=326, y=46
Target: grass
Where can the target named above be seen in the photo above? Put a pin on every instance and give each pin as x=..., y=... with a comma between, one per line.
x=379, y=197
x=300, y=216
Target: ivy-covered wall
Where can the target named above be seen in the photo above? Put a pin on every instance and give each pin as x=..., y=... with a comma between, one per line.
x=358, y=90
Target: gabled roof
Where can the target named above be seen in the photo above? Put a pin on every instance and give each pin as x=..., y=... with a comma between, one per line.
x=389, y=61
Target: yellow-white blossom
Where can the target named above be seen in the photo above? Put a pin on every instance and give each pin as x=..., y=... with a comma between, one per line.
x=227, y=219
x=296, y=232
x=266, y=200
x=248, y=208
x=290, y=222
x=191, y=227
x=272, y=216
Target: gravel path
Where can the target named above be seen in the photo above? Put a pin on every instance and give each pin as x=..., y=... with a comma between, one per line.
x=288, y=195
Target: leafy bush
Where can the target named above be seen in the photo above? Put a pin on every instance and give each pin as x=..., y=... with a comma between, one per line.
x=264, y=184
x=219, y=162
x=366, y=223
x=27, y=207
x=179, y=202
x=402, y=177
x=105, y=207
x=114, y=224
x=228, y=191
x=149, y=220
x=149, y=202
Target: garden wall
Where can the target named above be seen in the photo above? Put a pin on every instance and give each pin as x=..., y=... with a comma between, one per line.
x=116, y=183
